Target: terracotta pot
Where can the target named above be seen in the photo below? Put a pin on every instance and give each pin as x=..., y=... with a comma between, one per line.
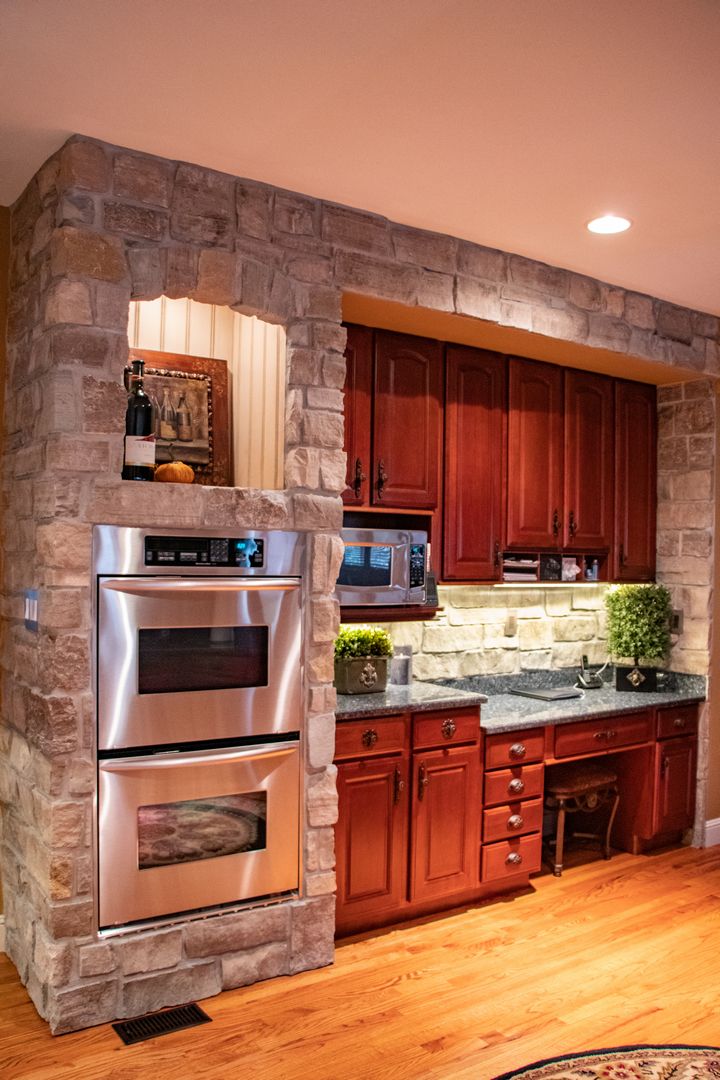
x=361, y=675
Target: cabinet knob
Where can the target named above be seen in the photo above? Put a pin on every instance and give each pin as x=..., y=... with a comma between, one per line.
x=679, y=722
x=398, y=786
x=572, y=523
x=516, y=787
x=423, y=781
x=369, y=737
x=448, y=728
x=517, y=750
x=514, y=859
x=600, y=735
x=556, y=523
x=515, y=822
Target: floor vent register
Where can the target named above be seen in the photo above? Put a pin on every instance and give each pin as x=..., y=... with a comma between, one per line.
x=160, y=1023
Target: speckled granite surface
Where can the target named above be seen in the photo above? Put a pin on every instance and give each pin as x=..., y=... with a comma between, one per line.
x=504, y=711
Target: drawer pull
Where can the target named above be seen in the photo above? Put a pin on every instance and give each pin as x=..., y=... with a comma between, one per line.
x=448, y=728
x=399, y=785
x=516, y=786
x=600, y=735
x=679, y=722
x=514, y=859
x=423, y=781
x=517, y=750
x=369, y=737
x=515, y=822
x=611, y=734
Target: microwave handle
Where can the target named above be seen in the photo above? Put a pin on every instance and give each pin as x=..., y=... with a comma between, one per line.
x=162, y=588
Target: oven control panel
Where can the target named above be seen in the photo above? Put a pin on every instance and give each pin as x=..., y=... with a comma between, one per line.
x=204, y=551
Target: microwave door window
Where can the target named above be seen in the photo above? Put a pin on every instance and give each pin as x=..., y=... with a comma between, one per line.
x=366, y=566
x=186, y=659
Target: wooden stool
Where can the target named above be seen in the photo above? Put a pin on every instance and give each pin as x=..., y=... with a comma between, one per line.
x=582, y=786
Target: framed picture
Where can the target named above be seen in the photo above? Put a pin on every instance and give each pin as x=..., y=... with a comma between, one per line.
x=190, y=395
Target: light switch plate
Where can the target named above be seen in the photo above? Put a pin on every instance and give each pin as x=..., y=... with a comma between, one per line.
x=31, y=610
x=676, y=621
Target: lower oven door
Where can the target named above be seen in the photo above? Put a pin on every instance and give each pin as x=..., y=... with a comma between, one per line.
x=178, y=832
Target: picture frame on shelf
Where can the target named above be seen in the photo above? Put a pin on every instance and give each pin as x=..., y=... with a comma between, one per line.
x=199, y=386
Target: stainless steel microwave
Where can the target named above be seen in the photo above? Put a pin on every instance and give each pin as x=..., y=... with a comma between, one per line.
x=382, y=566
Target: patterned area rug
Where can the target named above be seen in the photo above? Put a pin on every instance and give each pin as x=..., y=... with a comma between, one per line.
x=627, y=1063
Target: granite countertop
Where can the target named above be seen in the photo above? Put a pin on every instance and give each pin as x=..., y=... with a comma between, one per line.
x=503, y=711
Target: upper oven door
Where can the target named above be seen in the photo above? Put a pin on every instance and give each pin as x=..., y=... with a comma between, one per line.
x=189, y=659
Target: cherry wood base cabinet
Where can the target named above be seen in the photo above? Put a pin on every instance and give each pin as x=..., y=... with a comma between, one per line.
x=408, y=830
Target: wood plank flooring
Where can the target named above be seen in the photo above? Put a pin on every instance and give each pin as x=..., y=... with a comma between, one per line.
x=613, y=953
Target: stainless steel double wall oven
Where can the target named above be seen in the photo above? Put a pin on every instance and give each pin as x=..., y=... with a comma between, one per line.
x=199, y=705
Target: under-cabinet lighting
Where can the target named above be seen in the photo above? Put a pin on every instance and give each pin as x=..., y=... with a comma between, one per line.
x=609, y=223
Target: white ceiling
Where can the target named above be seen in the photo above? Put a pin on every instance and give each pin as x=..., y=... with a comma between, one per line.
x=507, y=122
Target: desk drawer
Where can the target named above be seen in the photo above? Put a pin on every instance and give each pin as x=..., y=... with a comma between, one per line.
x=375, y=735
x=513, y=819
x=603, y=734
x=447, y=727
x=522, y=781
x=514, y=748
x=679, y=720
x=521, y=855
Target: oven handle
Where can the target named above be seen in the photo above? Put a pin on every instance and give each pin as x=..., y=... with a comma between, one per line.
x=170, y=586
x=207, y=757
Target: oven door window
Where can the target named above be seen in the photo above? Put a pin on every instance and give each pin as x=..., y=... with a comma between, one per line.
x=366, y=565
x=182, y=832
x=202, y=658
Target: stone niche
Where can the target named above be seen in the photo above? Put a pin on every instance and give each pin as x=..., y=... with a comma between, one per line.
x=96, y=227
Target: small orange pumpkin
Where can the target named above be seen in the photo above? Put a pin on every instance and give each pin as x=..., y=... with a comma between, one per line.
x=175, y=472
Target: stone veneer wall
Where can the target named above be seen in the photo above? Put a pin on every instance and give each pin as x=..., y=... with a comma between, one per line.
x=97, y=226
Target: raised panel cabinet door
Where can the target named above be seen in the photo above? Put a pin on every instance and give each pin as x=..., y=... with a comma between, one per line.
x=635, y=481
x=407, y=421
x=446, y=811
x=371, y=837
x=358, y=415
x=535, y=455
x=474, y=464
x=589, y=461
x=675, y=762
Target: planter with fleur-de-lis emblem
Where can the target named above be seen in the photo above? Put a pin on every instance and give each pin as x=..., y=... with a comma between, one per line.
x=361, y=675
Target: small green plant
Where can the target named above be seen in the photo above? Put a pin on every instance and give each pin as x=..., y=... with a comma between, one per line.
x=639, y=622
x=353, y=641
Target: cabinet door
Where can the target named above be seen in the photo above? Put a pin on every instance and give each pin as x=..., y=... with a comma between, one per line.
x=358, y=415
x=474, y=464
x=635, y=481
x=371, y=837
x=407, y=427
x=674, y=785
x=589, y=459
x=445, y=822
x=535, y=455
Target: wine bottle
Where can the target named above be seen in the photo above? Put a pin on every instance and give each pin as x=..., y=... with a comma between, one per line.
x=168, y=420
x=184, y=420
x=139, y=458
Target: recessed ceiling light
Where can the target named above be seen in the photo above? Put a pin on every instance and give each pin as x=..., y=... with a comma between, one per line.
x=609, y=223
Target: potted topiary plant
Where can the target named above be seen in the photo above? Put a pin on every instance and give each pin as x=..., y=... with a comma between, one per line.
x=638, y=628
x=361, y=659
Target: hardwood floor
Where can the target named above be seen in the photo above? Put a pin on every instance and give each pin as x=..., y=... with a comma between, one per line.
x=613, y=953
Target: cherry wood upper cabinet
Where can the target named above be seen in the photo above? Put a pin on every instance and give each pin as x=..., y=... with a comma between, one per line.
x=358, y=414
x=589, y=455
x=474, y=464
x=635, y=481
x=407, y=421
x=393, y=419
x=535, y=455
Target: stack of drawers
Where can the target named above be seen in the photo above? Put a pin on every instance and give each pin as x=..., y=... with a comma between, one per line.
x=513, y=804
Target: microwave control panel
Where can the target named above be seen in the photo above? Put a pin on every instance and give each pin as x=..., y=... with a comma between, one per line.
x=241, y=551
x=417, y=566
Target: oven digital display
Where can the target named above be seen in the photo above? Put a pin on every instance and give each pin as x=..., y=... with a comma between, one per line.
x=194, y=829
x=242, y=551
x=184, y=659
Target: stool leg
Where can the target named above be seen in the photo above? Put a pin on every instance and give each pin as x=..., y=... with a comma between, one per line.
x=611, y=819
x=559, y=838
